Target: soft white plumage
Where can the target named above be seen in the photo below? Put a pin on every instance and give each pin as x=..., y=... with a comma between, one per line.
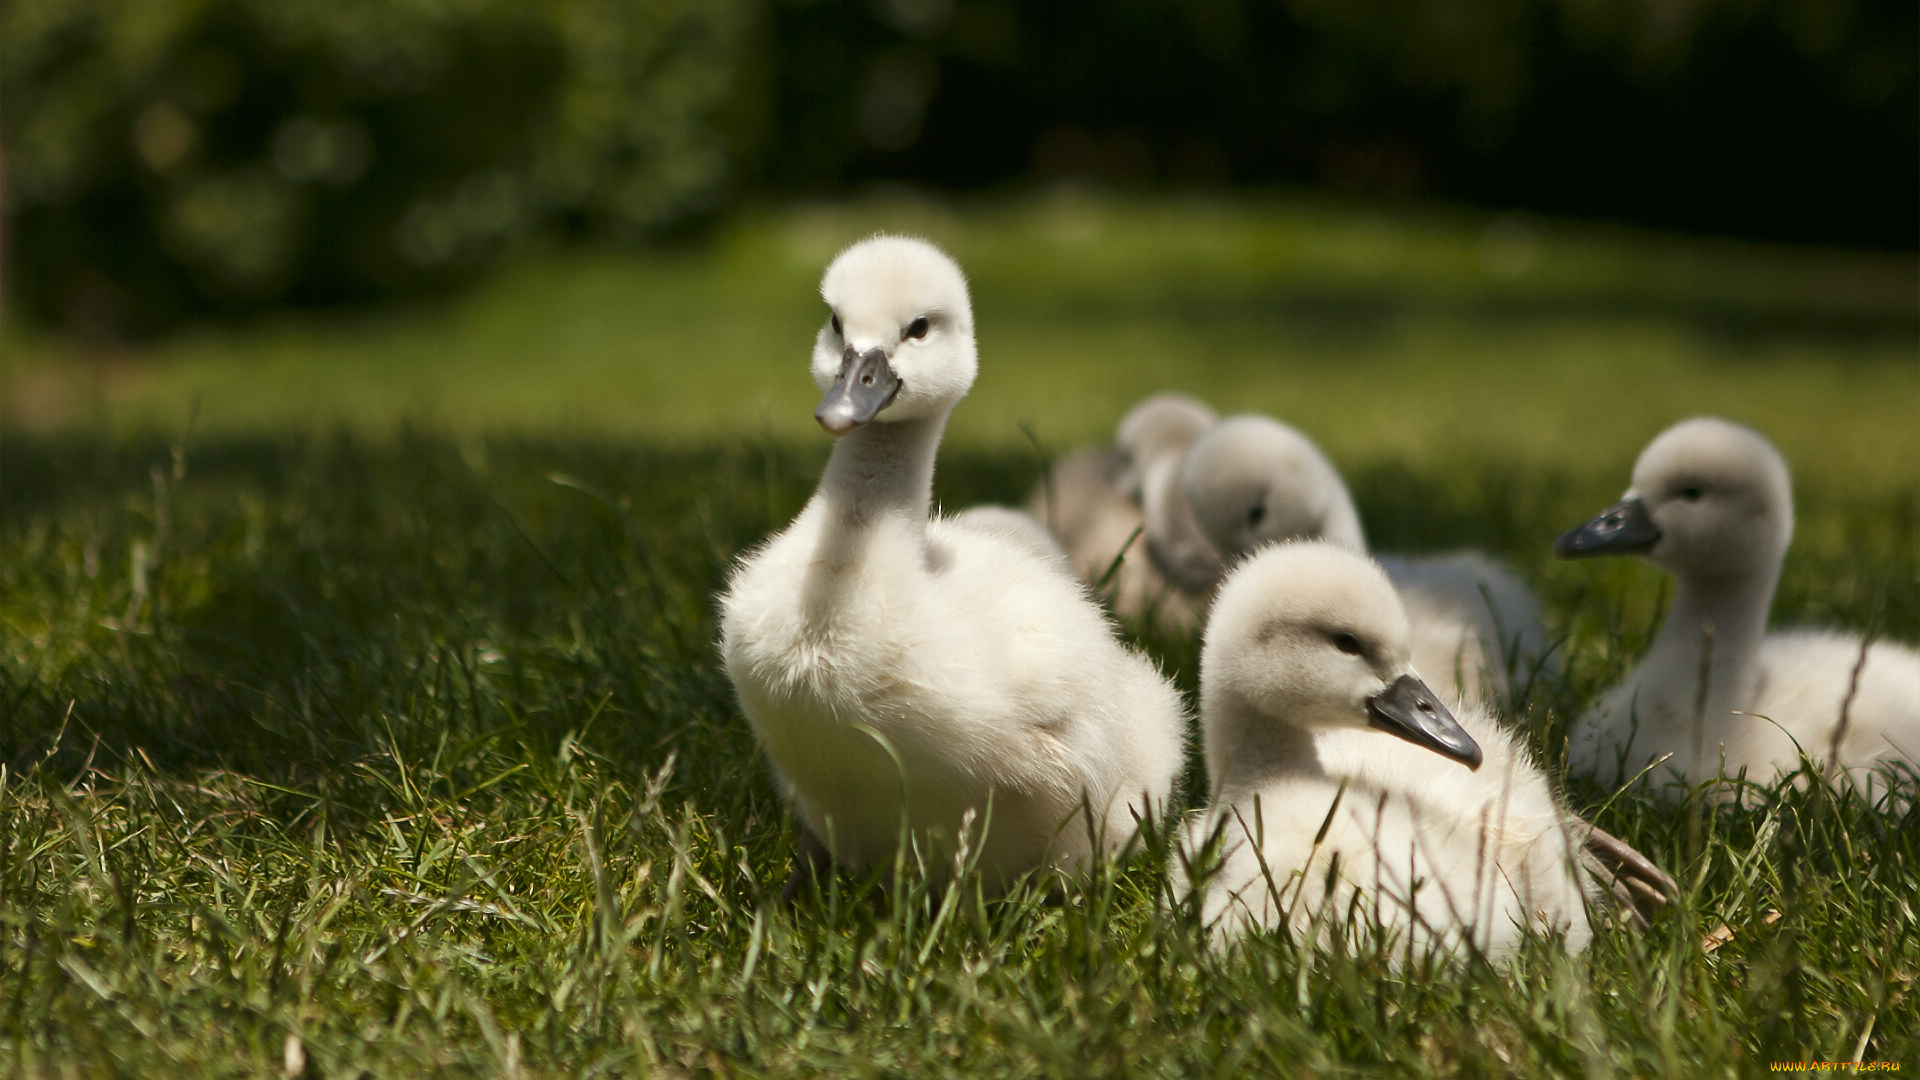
x=1016, y=525
x=1303, y=642
x=1097, y=503
x=894, y=663
x=1251, y=481
x=1712, y=505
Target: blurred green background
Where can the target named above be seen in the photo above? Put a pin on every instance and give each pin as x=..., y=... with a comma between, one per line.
x=1414, y=335
x=170, y=162
x=1533, y=230
x=388, y=386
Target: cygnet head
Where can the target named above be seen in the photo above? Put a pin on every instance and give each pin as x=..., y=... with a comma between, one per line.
x=1252, y=480
x=1162, y=424
x=898, y=343
x=1312, y=636
x=1709, y=499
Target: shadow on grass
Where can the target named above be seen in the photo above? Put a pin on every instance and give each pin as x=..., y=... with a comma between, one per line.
x=363, y=747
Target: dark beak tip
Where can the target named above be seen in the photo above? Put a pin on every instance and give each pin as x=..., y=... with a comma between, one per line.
x=1408, y=710
x=1621, y=529
x=1465, y=750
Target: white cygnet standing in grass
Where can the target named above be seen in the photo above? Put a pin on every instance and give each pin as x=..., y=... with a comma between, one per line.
x=1096, y=504
x=1712, y=505
x=1251, y=481
x=1444, y=830
x=900, y=666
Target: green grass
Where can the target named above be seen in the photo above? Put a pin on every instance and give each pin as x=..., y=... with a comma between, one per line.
x=1386, y=334
x=409, y=750
x=391, y=726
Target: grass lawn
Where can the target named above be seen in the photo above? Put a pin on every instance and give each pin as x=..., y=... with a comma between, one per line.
x=1386, y=334
x=377, y=726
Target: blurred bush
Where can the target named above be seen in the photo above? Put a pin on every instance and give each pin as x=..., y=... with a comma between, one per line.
x=165, y=158
x=1778, y=119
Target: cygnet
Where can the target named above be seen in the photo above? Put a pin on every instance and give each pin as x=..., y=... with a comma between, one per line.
x=1445, y=831
x=901, y=667
x=1252, y=480
x=1097, y=504
x=1712, y=505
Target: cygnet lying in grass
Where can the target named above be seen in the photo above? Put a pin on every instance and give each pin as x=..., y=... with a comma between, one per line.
x=894, y=665
x=1251, y=480
x=1429, y=827
x=1093, y=502
x=1712, y=505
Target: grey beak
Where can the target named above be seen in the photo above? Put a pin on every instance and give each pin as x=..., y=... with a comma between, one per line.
x=1410, y=710
x=1621, y=529
x=866, y=385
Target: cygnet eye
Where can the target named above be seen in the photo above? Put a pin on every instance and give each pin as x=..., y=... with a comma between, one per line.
x=1691, y=493
x=836, y=325
x=1348, y=644
x=1257, y=514
x=916, y=329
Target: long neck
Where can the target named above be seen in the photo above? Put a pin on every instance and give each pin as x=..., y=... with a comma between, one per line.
x=1712, y=634
x=882, y=469
x=1246, y=750
x=878, y=481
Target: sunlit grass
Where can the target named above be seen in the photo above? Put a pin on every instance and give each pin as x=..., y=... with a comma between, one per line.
x=1382, y=333
x=373, y=725
x=402, y=756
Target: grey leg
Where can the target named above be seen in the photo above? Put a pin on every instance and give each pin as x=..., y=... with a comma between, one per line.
x=1640, y=888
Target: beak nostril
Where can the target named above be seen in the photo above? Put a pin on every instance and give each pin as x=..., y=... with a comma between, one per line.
x=1408, y=709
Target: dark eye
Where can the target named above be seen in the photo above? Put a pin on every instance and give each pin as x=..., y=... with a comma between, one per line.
x=1258, y=514
x=836, y=325
x=1348, y=644
x=917, y=328
x=1691, y=493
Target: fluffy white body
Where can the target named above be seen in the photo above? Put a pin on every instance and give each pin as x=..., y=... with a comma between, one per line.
x=900, y=667
x=1252, y=481
x=1016, y=525
x=1096, y=503
x=1712, y=505
x=1419, y=847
